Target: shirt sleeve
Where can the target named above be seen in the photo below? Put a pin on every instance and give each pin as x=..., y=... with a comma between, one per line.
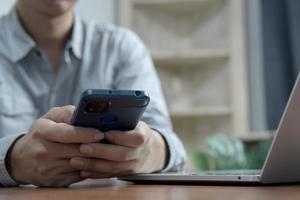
x=5, y=144
x=136, y=71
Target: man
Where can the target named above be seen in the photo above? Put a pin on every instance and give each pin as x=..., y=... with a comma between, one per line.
x=48, y=56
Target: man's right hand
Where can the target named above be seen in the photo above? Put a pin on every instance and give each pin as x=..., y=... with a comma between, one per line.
x=42, y=156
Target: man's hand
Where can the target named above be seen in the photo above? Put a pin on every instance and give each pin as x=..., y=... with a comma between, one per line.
x=141, y=150
x=42, y=157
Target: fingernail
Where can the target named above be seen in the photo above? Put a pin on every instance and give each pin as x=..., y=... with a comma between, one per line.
x=109, y=136
x=86, y=149
x=85, y=174
x=77, y=163
x=99, y=136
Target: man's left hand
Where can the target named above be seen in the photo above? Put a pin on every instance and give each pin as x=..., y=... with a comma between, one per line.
x=142, y=150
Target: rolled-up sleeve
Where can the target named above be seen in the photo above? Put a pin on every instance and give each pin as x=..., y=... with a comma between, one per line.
x=5, y=144
x=136, y=71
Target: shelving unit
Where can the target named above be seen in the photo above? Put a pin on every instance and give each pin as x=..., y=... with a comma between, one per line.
x=200, y=112
x=198, y=48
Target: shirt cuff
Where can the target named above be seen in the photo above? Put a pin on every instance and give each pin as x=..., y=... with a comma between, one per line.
x=170, y=163
x=5, y=144
x=176, y=152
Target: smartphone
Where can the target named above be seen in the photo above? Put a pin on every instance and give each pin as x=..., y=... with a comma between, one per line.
x=110, y=109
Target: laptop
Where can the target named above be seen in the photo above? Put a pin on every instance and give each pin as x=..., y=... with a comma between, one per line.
x=282, y=164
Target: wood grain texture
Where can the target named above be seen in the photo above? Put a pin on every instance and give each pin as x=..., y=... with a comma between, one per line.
x=120, y=190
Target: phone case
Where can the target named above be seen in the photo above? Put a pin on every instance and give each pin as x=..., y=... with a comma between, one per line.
x=110, y=109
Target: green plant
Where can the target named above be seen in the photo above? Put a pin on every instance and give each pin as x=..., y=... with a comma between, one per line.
x=221, y=152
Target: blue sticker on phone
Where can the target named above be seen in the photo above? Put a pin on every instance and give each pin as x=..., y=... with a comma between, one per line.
x=109, y=118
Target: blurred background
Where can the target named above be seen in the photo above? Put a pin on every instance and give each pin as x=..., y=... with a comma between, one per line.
x=226, y=66
x=102, y=11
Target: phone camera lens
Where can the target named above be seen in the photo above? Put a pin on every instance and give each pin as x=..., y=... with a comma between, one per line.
x=138, y=93
x=97, y=106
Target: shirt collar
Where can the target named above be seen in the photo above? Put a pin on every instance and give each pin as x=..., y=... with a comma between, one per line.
x=76, y=40
x=22, y=43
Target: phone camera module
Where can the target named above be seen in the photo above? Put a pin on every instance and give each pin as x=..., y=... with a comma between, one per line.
x=97, y=107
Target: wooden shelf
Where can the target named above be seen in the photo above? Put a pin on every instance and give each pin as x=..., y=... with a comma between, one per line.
x=197, y=56
x=201, y=112
x=257, y=136
x=160, y=2
x=178, y=4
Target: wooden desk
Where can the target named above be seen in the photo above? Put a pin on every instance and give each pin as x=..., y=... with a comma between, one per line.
x=99, y=190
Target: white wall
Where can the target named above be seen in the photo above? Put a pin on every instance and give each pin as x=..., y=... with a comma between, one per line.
x=100, y=10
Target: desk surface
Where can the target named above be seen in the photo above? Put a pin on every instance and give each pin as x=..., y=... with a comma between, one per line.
x=120, y=190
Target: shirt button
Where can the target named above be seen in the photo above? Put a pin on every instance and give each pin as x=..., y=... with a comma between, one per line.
x=38, y=53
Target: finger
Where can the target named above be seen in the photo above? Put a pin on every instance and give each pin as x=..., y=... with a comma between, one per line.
x=60, y=114
x=135, y=138
x=68, y=179
x=95, y=175
x=109, y=152
x=64, y=133
x=65, y=151
x=62, y=167
x=103, y=166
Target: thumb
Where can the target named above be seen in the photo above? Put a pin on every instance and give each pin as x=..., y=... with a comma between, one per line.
x=60, y=114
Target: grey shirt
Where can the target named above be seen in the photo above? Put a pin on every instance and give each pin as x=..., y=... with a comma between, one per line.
x=96, y=56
